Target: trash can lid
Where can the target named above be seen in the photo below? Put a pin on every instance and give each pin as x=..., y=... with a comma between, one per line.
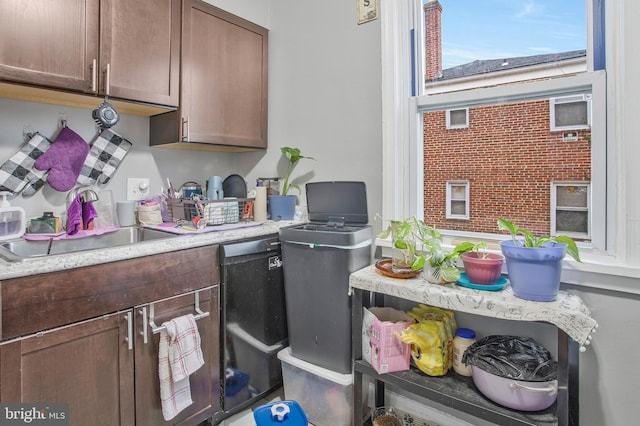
x=345, y=200
x=286, y=412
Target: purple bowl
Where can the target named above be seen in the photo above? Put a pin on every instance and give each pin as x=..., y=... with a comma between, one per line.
x=516, y=394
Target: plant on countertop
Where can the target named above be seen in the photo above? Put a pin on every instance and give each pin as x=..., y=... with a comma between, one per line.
x=531, y=241
x=292, y=155
x=403, y=239
x=421, y=245
x=444, y=261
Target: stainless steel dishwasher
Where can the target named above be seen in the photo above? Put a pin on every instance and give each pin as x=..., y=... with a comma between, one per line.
x=254, y=323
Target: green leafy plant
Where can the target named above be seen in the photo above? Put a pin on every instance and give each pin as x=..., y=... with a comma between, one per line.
x=421, y=243
x=404, y=234
x=445, y=260
x=532, y=241
x=292, y=155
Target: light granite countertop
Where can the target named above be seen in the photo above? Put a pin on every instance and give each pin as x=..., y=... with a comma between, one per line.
x=93, y=257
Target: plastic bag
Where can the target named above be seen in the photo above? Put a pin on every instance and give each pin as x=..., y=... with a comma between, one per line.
x=431, y=339
x=513, y=357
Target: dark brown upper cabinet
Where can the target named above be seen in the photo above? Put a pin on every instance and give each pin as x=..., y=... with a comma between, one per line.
x=121, y=48
x=223, y=94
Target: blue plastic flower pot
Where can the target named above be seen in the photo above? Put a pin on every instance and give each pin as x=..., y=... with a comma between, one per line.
x=534, y=273
x=282, y=207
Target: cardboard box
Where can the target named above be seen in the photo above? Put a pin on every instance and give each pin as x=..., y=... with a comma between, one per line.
x=380, y=344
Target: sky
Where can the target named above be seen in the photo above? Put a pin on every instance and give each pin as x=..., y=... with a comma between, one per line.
x=498, y=29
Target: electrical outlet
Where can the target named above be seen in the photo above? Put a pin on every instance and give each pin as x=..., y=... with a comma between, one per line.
x=137, y=188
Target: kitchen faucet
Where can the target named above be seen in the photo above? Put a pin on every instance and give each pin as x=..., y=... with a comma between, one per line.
x=86, y=195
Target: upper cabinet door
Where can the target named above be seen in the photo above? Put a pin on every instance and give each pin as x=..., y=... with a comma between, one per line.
x=140, y=50
x=224, y=78
x=50, y=43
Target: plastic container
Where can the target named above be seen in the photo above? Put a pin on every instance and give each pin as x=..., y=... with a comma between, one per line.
x=465, y=337
x=323, y=394
x=13, y=220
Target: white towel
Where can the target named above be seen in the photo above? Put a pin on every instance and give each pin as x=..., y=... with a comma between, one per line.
x=179, y=355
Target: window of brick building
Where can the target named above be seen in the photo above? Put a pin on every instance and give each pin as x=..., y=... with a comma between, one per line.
x=570, y=209
x=570, y=112
x=457, y=200
x=457, y=118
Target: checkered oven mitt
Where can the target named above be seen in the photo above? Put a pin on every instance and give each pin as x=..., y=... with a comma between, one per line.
x=107, y=151
x=18, y=174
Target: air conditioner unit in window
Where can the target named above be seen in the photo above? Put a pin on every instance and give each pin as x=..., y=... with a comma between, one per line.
x=570, y=112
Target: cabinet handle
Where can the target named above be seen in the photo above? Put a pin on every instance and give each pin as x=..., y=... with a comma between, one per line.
x=199, y=314
x=185, y=133
x=107, y=79
x=129, y=337
x=145, y=335
x=94, y=75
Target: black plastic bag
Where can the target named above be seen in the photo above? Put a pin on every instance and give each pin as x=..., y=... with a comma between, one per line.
x=520, y=358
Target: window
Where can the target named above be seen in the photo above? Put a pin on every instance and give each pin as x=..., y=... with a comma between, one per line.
x=457, y=200
x=520, y=104
x=458, y=118
x=570, y=209
x=570, y=112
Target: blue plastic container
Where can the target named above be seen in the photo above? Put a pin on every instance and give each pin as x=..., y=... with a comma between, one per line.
x=277, y=413
x=282, y=207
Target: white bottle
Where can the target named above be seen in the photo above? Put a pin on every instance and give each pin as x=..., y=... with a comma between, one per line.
x=12, y=219
x=465, y=337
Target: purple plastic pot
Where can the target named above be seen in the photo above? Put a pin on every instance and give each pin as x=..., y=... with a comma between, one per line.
x=534, y=273
x=516, y=394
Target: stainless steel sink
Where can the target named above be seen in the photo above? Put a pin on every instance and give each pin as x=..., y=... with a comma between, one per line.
x=19, y=250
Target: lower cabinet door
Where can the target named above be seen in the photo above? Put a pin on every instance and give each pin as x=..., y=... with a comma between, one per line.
x=86, y=365
x=204, y=383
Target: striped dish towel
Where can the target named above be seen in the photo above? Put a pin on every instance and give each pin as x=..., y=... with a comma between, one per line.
x=179, y=355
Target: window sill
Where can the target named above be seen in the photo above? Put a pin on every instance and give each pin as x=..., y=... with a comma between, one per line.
x=596, y=270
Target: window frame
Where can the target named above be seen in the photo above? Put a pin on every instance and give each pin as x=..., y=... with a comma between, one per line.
x=449, y=197
x=465, y=125
x=555, y=208
x=405, y=100
x=586, y=98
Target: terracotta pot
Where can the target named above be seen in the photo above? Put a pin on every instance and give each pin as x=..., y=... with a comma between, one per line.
x=482, y=270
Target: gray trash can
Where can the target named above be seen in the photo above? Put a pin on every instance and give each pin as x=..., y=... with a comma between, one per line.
x=317, y=260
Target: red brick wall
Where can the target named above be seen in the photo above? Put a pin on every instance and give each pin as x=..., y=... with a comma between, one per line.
x=509, y=156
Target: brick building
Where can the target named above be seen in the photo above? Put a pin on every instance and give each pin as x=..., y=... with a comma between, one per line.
x=505, y=160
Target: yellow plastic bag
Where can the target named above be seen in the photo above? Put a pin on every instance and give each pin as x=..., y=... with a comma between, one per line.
x=446, y=318
x=428, y=346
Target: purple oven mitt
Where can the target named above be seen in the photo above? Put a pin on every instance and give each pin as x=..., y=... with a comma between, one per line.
x=64, y=159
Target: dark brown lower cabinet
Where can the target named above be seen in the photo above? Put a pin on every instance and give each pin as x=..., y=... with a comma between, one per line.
x=106, y=368
x=87, y=365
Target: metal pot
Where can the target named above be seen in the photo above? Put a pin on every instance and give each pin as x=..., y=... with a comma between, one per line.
x=516, y=394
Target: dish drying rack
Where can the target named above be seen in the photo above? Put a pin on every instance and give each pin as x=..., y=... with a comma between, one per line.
x=210, y=212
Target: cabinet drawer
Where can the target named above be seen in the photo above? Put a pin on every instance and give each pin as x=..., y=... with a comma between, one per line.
x=40, y=302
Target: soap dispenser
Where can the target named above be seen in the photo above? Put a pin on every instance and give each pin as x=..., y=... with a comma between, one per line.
x=12, y=219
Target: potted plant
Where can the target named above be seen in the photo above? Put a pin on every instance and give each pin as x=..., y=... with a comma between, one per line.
x=534, y=264
x=441, y=266
x=283, y=206
x=405, y=256
x=482, y=267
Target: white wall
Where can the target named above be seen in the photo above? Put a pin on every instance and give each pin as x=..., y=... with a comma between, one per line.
x=324, y=83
